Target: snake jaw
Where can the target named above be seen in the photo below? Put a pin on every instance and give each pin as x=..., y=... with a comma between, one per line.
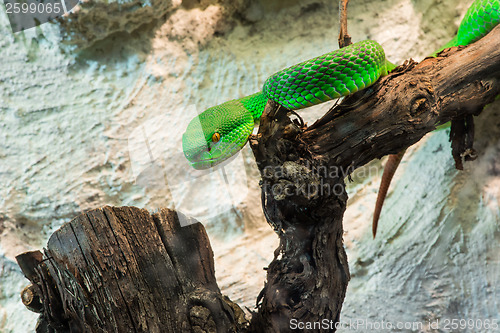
x=212, y=155
x=206, y=154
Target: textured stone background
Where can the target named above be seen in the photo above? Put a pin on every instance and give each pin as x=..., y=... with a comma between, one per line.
x=75, y=97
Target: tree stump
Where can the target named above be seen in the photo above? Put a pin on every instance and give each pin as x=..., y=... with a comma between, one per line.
x=125, y=270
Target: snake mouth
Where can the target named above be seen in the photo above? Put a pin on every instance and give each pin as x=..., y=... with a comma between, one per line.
x=212, y=155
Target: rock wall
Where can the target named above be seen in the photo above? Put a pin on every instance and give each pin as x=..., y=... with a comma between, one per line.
x=99, y=123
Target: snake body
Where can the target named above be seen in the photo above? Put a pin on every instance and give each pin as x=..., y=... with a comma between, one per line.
x=221, y=131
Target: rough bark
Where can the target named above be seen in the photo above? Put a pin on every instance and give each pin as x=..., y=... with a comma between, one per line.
x=124, y=270
x=303, y=170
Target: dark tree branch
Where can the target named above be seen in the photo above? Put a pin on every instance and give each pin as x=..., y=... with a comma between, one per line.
x=303, y=169
x=462, y=140
x=344, y=38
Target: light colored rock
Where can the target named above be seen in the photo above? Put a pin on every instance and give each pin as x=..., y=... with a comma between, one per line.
x=66, y=145
x=94, y=20
x=14, y=317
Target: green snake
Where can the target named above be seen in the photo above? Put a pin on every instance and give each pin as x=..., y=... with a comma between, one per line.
x=221, y=131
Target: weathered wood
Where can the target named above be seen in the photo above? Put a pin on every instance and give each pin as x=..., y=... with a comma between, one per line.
x=125, y=270
x=307, y=280
x=303, y=170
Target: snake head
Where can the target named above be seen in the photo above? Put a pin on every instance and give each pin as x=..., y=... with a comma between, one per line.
x=216, y=134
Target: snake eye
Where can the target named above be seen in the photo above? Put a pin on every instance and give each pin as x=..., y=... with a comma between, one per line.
x=215, y=137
